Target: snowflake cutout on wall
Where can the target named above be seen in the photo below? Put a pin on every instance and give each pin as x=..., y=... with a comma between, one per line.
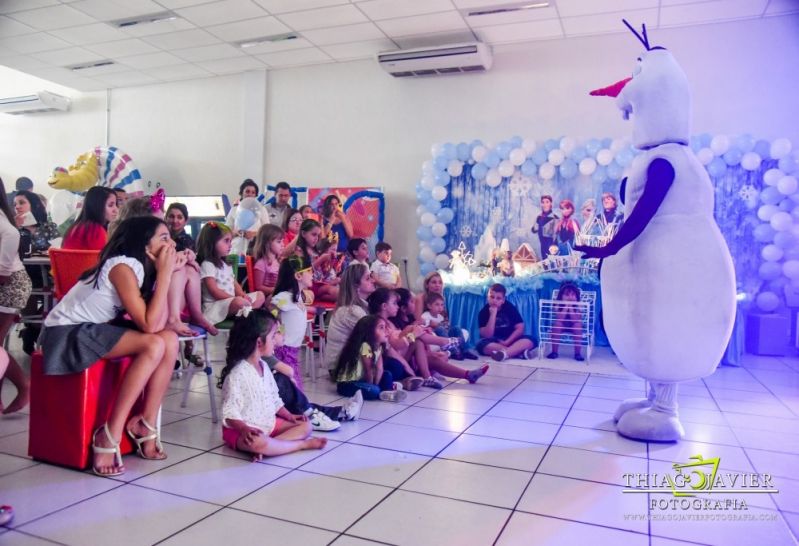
x=466, y=231
x=520, y=185
x=747, y=192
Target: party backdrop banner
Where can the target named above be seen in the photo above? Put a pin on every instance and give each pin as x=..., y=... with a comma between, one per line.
x=364, y=206
x=481, y=194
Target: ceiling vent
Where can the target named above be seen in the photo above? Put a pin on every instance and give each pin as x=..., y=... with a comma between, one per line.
x=432, y=61
x=43, y=101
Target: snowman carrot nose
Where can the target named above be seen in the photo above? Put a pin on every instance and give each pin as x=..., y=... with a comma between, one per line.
x=611, y=90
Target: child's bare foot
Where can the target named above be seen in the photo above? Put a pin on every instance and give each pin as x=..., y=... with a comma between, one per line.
x=315, y=443
x=22, y=399
x=180, y=328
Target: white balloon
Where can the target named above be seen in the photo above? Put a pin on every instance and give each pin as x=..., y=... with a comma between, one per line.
x=478, y=153
x=771, y=253
x=517, y=156
x=439, y=229
x=772, y=176
x=428, y=182
x=455, y=168
x=556, y=156
x=493, y=178
x=421, y=209
x=441, y=261
x=439, y=193
x=529, y=146
x=428, y=218
x=604, y=156
x=428, y=167
x=587, y=166
x=705, y=156
x=616, y=145
x=568, y=144
x=781, y=221
x=767, y=301
x=791, y=269
x=720, y=144
x=546, y=171
x=780, y=148
x=506, y=168
x=787, y=185
x=427, y=254
x=766, y=212
x=435, y=149
x=751, y=161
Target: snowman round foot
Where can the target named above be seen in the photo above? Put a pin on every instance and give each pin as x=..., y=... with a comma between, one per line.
x=658, y=423
x=635, y=403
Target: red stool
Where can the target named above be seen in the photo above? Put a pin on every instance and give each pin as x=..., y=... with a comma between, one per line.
x=66, y=410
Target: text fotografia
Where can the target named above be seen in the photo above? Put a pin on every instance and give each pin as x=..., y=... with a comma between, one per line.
x=700, y=476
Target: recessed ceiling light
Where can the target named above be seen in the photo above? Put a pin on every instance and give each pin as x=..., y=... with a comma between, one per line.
x=95, y=64
x=159, y=17
x=505, y=8
x=252, y=42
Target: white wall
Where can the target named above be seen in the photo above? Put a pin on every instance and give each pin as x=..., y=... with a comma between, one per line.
x=353, y=124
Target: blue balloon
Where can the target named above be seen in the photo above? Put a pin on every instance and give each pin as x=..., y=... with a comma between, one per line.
x=763, y=149
x=503, y=149
x=771, y=195
x=445, y=215
x=540, y=156
x=696, y=143
x=432, y=205
x=732, y=157
x=568, y=169
x=769, y=271
x=624, y=157
x=606, y=142
x=449, y=151
x=442, y=179
x=516, y=141
x=245, y=218
x=441, y=163
x=705, y=139
x=427, y=268
x=424, y=196
x=744, y=142
x=529, y=168
x=578, y=154
x=464, y=151
x=763, y=233
x=788, y=164
x=491, y=159
x=717, y=167
x=438, y=245
x=551, y=144
x=787, y=205
x=479, y=171
x=475, y=143
x=784, y=239
x=592, y=147
x=424, y=233
x=600, y=174
x=615, y=171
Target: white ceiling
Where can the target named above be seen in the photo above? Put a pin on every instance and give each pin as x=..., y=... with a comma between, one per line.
x=43, y=37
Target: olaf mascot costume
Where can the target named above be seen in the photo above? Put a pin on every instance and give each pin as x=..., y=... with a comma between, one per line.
x=667, y=279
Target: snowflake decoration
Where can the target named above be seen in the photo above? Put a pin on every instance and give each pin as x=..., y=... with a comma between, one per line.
x=520, y=185
x=458, y=192
x=466, y=231
x=747, y=192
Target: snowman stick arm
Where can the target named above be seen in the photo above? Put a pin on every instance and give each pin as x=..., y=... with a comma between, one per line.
x=659, y=178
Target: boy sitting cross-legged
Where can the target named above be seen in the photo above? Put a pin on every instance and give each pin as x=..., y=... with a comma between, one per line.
x=502, y=328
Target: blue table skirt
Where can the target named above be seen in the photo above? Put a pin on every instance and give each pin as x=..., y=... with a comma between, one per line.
x=465, y=301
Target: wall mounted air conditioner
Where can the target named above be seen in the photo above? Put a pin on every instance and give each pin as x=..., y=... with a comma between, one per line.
x=43, y=101
x=429, y=61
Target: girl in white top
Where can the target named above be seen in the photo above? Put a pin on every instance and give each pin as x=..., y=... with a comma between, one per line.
x=222, y=294
x=294, y=276
x=15, y=289
x=254, y=419
x=132, y=276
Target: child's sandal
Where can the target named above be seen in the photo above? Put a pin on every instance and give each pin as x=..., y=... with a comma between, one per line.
x=119, y=469
x=140, y=440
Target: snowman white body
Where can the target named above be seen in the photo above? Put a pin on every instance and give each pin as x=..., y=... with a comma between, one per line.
x=668, y=297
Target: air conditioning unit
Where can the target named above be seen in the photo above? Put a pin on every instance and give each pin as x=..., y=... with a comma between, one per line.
x=43, y=101
x=430, y=61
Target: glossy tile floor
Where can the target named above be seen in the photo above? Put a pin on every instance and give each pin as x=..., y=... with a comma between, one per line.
x=526, y=456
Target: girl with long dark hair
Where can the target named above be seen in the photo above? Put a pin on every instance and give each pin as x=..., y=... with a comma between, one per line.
x=89, y=232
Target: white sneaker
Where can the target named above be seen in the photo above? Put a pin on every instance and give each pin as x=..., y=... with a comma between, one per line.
x=433, y=383
x=321, y=422
x=352, y=407
x=393, y=396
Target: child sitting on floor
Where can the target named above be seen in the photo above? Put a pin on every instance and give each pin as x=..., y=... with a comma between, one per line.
x=254, y=419
x=502, y=328
x=568, y=318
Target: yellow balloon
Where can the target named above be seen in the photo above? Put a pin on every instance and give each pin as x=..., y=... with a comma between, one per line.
x=80, y=176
